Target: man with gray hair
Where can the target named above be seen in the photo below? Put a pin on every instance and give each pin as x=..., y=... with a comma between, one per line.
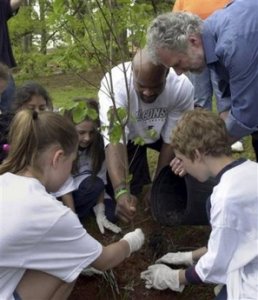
x=226, y=42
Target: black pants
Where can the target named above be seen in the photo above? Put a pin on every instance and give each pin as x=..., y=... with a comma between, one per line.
x=138, y=166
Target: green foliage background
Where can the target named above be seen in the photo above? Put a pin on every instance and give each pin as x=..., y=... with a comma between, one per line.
x=68, y=35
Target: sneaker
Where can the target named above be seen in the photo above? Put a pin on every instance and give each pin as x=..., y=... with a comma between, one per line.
x=237, y=147
x=217, y=289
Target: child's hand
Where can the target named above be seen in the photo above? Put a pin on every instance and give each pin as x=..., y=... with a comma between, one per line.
x=177, y=258
x=135, y=239
x=177, y=167
x=102, y=221
x=161, y=277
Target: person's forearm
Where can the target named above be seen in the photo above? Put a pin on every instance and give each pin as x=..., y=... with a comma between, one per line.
x=115, y=160
x=165, y=157
x=108, y=260
x=198, y=253
x=182, y=278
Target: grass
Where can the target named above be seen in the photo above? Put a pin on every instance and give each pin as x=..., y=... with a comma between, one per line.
x=64, y=87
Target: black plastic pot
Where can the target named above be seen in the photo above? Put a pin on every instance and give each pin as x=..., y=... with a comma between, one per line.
x=179, y=201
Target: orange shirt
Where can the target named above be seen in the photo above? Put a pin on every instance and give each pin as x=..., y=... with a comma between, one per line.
x=202, y=8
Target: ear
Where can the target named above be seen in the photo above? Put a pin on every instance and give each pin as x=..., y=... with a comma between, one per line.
x=195, y=40
x=198, y=155
x=57, y=157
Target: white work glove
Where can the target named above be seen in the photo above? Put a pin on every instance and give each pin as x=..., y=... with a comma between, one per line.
x=161, y=277
x=135, y=240
x=178, y=258
x=102, y=220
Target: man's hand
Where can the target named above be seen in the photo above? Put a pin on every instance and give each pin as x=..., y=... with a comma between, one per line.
x=161, y=277
x=126, y=207
x=178, y=258
x=102, y=221
x=177, y=167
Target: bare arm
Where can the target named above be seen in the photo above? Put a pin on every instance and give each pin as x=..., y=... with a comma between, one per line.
x=165, y=157
x=112, y=255
x=114, y=159
x=15, y=4
x=126, y=203
x=198, y=253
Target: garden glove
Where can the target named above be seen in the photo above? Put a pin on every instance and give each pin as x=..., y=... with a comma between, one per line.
x=102, y=221
x=135, y=239
x=178, y=258
x=162, y=277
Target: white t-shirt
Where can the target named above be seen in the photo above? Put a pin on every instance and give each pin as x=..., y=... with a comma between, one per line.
x=161, y=115
x=233, y=242
x=38, y=232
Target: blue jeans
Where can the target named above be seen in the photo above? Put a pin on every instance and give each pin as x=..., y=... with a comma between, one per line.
x=6, y=98
x=205, y=85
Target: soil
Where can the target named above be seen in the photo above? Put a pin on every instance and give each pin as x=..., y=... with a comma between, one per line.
x=126, y=282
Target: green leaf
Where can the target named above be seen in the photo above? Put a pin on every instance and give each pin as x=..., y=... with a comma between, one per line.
x=115, y=134
x=139, y=141
x=78, y=115
x=152, y=133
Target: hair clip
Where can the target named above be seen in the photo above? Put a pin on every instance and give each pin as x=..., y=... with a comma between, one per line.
x=6, y=147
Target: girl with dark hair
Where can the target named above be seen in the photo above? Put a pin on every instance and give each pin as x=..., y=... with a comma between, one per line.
x=33, y=96
x=84, y=191
x=30, y=95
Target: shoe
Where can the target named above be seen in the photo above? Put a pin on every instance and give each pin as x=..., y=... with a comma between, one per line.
x=217, y=289
x=237, y=147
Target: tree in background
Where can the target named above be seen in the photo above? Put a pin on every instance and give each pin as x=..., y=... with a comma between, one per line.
x=48, y=33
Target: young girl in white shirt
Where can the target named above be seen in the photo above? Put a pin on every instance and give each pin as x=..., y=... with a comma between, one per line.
x=43, y=245
x=84, y=192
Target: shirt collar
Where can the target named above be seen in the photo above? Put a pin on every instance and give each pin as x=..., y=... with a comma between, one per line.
x=229, y=166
